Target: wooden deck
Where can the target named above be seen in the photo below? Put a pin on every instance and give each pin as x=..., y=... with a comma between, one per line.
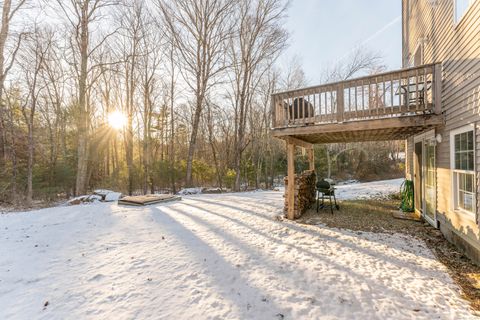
x=387, y=106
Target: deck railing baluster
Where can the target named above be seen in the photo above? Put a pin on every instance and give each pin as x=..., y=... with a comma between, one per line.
x=408, y=92
x=383, y=96
x=391, y=92
x=417, y=104
x=356, y=96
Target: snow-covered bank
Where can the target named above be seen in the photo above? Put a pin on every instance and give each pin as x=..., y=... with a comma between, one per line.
x=368, y=190
x=212, y=257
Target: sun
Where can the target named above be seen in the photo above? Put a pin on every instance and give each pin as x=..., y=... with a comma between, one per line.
x=117, y=120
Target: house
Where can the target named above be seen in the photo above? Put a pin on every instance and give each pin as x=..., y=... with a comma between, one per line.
x=443, y=162
x=433, y=103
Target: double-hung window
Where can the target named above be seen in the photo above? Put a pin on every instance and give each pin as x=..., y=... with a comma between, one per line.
x=462, y=149
x=460, y=8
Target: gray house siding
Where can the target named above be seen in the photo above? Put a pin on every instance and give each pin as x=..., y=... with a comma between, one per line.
x=430, y=26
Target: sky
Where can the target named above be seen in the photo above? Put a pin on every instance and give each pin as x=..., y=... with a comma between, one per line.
x=322, y=32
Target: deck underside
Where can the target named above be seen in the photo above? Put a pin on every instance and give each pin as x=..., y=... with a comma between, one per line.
x=398, y=128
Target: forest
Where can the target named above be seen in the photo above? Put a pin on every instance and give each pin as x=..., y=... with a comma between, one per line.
x=154, y=96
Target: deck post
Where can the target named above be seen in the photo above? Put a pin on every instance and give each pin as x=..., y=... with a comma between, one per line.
x=291, y=180
x=340, y=103
x=311, y=159
x=273, y=110
x=437, y=86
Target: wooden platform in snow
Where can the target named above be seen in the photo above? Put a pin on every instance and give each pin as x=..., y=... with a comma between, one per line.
x=148, y=199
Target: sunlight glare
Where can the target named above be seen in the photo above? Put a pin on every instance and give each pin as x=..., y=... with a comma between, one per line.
x=117, y=120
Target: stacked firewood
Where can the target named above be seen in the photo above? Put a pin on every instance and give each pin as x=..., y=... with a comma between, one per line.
x=304, y=192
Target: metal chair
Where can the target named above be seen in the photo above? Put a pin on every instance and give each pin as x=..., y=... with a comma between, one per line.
x=325, y=189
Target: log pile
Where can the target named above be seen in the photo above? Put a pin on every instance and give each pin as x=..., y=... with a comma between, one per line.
x=304, y=192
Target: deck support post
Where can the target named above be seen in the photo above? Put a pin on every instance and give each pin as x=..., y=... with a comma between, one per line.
x=311, y=159
x=291, y=180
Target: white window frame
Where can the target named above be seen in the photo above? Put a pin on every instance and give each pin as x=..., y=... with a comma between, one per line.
x=453, y=171
x=460, y=18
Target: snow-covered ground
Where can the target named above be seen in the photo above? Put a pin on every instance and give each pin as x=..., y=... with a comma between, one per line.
x=368, y=190
x=223, y=256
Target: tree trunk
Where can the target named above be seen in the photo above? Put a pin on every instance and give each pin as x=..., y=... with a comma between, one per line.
x=31, y=151
x=172, y=125
x=193, y=141
x=329, y=163
x=3, y=40
x=83, y=124
x=129, y=153
x=146, y=136
x=14, y=171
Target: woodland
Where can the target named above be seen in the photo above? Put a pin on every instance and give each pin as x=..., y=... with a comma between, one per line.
x=154, y=96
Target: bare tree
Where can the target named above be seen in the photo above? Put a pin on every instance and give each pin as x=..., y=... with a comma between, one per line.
x=131, y=21
x=81, y=15
x=172, y=88
x=150, y=61
x=359, y=61
x=259, y=39
x=293, y=76
x=199, y=31
x=33, y=62
x=9, y=9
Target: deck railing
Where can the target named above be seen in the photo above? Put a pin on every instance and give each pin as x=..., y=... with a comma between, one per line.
x=403, y=92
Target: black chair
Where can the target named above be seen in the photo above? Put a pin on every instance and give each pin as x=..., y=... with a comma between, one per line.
x=325, y=189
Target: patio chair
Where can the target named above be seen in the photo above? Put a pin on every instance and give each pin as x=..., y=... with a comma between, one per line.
x=325, y=189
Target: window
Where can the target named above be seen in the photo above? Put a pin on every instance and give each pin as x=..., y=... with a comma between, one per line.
x=460, y=7
x=463, y=159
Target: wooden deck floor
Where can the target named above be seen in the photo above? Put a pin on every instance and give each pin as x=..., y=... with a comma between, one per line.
x=366, y=130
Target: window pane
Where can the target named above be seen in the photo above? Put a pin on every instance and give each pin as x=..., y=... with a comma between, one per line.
x=470, y=161
x=457, y=142
x=470, y=140
x=463, y=141
x=461, y=181
x=468, y=202
x=461, y=161
x=469, y=182
x=461, y=199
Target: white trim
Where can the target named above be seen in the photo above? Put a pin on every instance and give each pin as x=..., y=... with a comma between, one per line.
x=453, y=133
x=424, y=139
x=465, y=128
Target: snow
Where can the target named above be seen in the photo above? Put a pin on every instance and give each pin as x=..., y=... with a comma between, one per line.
x=189, y=191
x=112, y=196
x=90, y=198
x=108, y=195
x=368, y=190
x=216, y=256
